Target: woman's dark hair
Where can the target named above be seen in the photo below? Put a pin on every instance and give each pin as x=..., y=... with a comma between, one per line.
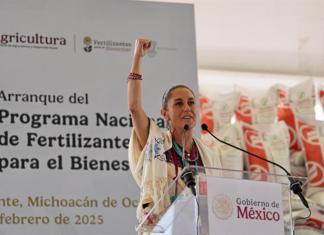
x=167, y=94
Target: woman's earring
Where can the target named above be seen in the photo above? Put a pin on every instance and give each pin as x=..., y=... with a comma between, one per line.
x=168, y=126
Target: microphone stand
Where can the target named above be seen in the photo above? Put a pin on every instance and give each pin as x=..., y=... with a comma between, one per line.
x=187, y=175
x=295, y=186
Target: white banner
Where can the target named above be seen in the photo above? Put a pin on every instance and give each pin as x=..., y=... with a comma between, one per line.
x=244, y=207
x=64, y=120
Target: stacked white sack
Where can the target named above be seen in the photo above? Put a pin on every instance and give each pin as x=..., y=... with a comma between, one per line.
x=270, y=142
x=256, y=106
x=231, y=158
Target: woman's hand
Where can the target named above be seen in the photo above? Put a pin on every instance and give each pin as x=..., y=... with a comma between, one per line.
x=141, y=47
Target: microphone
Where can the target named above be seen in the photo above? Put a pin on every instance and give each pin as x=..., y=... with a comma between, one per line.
x=295, y=186
x=187, y=175
x=189, y=179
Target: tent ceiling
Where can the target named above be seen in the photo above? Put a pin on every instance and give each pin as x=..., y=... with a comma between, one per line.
x=260, y=35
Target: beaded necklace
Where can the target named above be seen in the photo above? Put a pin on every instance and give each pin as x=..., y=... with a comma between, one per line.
x=192, y=157
x=189, y=157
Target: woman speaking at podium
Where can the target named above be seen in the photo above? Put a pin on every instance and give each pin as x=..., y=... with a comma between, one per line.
x=156, y=157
